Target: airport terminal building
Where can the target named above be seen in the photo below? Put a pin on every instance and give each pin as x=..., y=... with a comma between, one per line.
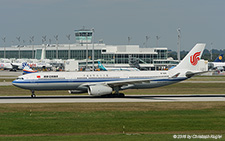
x=109, y=55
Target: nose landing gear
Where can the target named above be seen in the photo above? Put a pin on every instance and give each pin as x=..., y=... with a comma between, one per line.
x=33, y=94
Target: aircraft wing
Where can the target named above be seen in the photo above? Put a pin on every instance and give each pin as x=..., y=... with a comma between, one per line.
x=126, y=82
x=120, y=83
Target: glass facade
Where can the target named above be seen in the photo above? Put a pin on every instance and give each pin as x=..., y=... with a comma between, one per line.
x=144, y=58
x=162, y=54
x=99, y=54
x=38, y=54
x=83, y=36
x=1, y=54
x=26, y=54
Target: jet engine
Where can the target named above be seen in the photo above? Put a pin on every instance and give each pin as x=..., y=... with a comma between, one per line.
x=76, y=91
x=97, y=90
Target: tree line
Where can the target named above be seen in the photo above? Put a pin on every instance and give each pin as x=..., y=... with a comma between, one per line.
x=206, y=54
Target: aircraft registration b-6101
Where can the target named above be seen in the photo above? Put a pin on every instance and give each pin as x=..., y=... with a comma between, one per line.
x=105, y=83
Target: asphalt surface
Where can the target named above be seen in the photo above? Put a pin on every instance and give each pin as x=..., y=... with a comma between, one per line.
x=127, y=98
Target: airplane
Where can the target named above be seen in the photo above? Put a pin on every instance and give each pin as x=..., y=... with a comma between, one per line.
x=103, y=68
x=27, y=69
x=217, y=64
x=6, y=66
x=32, y=65
x=103, y=83
x=219, y=58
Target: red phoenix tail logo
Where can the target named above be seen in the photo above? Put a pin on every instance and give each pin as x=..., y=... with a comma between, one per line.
x=195, y=58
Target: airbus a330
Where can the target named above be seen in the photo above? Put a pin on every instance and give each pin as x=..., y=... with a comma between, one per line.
x=98, y=83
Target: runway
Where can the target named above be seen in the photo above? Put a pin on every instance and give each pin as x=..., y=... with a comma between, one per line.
x=127, y=98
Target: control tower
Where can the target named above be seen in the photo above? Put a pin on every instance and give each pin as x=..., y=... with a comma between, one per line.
x=83, y=36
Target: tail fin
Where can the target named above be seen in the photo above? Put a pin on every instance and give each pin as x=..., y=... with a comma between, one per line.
x=27, y=69
x=219, y=58
x=101, y=67
x=24, y=64
x=190, y=61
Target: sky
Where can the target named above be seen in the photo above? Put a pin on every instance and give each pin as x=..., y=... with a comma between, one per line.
x=116, y=20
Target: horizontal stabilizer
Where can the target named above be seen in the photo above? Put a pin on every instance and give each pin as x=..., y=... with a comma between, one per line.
x=191, y=74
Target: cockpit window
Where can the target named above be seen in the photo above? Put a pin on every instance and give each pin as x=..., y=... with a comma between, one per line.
x=20, y=78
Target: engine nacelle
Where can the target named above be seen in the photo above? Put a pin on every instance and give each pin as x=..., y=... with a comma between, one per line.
x=99, y=90
x=76, y=91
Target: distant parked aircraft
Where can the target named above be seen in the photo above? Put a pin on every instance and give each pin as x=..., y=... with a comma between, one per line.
x=217, y=64
x=32, y=65
x=6, y=66
x=27, y=69
x=101, y=67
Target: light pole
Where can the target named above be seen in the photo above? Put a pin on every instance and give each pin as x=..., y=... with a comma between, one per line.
x=18, y=38
x=86, y=52
x=211, y=51
x=157, y=41
x=32, y=41
x=57, y=50
x=93, y=58
x=129, y=38
x=24, y=43
x=178, y=44
x=147, y=38
x=68, y=37
x=4, y=38
x=44, y=40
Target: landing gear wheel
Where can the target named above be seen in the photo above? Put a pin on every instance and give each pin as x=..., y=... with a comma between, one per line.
x=33, y=94
x=120, y=95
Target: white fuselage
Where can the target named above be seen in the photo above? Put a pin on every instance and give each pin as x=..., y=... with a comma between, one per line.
x=218, y=64
x=81, y=80
x=6, y=66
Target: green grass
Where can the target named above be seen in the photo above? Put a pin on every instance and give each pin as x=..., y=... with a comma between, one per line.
x=183, y=88
x=6, y=80
x=120, y=137
x=128, y=137
x=128, y=121
x=204, y=78
x=210, y=76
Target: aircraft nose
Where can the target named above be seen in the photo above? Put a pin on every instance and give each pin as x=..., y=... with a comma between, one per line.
x=16, y=83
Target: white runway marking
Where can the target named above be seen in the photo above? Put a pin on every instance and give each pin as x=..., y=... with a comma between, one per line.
x=128, y=98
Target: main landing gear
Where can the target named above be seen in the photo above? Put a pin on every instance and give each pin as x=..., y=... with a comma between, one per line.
x=33, y=94
x=117, y=93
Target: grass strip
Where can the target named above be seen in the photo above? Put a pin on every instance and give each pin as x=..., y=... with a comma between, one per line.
x=104, y=120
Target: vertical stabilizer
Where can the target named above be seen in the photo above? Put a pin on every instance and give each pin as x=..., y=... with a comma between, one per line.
x=190, y=62
x=101, y=67
x=219, y=58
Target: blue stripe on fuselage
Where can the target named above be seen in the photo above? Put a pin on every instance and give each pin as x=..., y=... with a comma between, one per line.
x=89, y=80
